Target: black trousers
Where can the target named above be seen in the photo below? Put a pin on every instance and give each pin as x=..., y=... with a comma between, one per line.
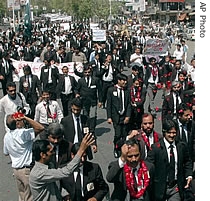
x=66, y=103
x=105, y=87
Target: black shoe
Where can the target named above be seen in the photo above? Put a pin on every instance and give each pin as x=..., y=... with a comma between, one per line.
x=116, y=153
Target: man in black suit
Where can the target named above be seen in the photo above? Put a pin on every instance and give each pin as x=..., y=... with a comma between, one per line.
x=116, y=60
x=96, y=66
x=6, y=71
x=29, y=52
x=186, y=131
x=76, y=125
x=29, y=85
x=152, y=79
x=49, y=77
x=66, y=90
x=119, y=110
x=62, y=147
x=132, y=176
x=90, y=91
x=85, y=183
x=171, y=101
x=108, y=73
x=68, y=56
x=173, y=167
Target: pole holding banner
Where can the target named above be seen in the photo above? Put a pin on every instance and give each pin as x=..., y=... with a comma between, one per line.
x=27, y=21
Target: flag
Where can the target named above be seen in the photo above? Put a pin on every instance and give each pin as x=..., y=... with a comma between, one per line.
x=27, y=20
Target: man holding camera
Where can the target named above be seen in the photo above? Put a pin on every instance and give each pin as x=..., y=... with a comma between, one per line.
x=13, y=102
x=18, y=145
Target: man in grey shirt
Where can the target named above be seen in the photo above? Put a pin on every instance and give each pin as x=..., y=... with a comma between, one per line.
x=43, y=180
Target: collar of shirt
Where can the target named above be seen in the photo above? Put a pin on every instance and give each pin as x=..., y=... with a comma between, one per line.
x=75, y=117
x=137, y=168
x=167, y=144
x=118, y=87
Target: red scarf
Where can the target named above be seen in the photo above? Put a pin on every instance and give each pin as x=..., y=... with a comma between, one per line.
x=136, y=97
x=146, y=139
x=154, y=71
x=143, y=180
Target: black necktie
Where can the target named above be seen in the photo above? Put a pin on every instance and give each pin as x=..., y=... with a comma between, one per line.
x=48, y=109
x=27, y=77
x=177, y=100
x=78, y=189
x=121, y=100
x=79, y=132
x=171, y=172
x=135, y=181
x=88, y=81
x=184, y=139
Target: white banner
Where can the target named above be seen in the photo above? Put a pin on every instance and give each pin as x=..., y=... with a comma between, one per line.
x=156, y=46
x=99, y=35
x=142, y=5
x=36, y=68
x=16, y=4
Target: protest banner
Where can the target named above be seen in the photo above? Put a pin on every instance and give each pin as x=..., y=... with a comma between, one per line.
x=156, y=46
x=99, y=35
x=36, y=68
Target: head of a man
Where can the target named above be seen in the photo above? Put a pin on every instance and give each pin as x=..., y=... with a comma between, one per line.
x=76, y=106
x=27, y=70
x=42, y=151
x=65, y=70
x=176, y=87
x=184, y=113
x=169, y=130
x=135, y=70
x=133, y=155
x=45, y=95
x=147, y=124
x=11, y=90
x=121, y=80
x=55, y=133
x=74, y=149
x=138, y=50
x=87, y=71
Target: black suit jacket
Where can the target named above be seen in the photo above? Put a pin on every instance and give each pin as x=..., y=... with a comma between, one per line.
x=32, y=92
x=116, y=175
x=69, y=129
x=44, y=77
x=8, y=76
x=168, y=106
x=191, y=138
x=68, y=57
x=29, y=54
x=113, y=104
x=159, y=157
x=90, y=95
x=116, y=61
x=64, y=154
x=96, y=72
x=92, y=176
x=61, y=84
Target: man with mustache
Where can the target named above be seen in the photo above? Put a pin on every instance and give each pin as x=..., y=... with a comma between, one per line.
x=132, y=177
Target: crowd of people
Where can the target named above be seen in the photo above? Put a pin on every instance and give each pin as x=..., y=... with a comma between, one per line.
x=51, y=145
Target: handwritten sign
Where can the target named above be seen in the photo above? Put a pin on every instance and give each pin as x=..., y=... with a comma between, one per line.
x=156, y=46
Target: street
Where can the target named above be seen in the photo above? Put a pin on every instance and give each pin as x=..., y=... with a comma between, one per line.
x=104, y=132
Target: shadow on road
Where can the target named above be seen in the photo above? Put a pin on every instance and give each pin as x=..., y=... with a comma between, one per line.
x=100, y=131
